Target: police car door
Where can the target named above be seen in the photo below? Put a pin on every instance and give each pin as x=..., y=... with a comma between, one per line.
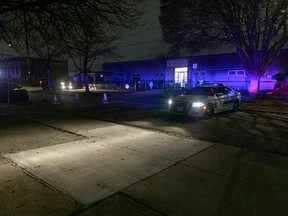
x=230, y=98
x=222, y=98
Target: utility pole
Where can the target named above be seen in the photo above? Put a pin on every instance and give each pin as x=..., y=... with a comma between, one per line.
x=27, y=47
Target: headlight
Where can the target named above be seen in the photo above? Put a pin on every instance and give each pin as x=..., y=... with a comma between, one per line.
x=62, y=85
x=70, y=86
x=197, y=104
x=170, y=102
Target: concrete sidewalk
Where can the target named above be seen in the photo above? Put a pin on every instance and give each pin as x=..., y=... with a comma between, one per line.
x=121, y=170
x=111, y=159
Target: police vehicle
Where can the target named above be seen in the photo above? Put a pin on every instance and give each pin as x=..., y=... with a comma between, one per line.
x=205, y=101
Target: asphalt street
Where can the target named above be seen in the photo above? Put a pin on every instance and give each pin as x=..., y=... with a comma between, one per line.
x=82, y=157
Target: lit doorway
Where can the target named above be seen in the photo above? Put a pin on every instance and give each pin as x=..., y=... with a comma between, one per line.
x=181, y=76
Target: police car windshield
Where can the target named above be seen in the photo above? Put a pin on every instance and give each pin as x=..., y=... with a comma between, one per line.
x=206, y=91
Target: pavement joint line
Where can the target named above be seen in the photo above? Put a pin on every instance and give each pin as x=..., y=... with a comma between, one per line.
x=228, y=191
x=141, y=203
x=137, y=126
x=170, y=133
x=263, y=111
x=230, y=176
x=39, y=180
x=60, y=129
x=148, y=129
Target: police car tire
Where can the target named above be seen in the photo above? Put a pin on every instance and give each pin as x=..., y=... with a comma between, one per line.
x=210, y=111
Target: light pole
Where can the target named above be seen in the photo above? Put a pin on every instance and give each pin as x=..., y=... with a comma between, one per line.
x=8, y=87
x=27, y=47
x=194, y=68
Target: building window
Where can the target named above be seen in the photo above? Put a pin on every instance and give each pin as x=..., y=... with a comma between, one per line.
x=241, y=73
x=136, y=78
x=232, y=73
x=236, y=73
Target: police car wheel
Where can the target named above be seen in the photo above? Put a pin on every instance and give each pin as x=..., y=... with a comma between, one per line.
x=209, y=112
x=235, y=106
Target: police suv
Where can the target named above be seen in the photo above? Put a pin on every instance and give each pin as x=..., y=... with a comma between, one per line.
x=205, y=101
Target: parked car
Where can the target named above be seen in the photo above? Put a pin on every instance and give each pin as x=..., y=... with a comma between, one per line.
x=16, y=93
x=55, y=84
x=205, y=101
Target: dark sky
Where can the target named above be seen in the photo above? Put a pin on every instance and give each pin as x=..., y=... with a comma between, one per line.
x=142, y=43
x=136, y=44
x=139, y=43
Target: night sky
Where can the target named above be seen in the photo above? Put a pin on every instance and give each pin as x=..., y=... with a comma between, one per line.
x=146, y=39
x=142, y=43
x=137, y=44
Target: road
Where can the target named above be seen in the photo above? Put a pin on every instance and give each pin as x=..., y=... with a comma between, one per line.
x=260, y=125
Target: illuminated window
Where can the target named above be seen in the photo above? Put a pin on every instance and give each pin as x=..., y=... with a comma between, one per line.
x=181, y=76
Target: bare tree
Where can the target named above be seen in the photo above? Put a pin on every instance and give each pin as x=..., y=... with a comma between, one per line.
x=257, y=29
x=88, y=29
x=12, y=10
x=45, y=40
x=95, y=29
x=32, y=26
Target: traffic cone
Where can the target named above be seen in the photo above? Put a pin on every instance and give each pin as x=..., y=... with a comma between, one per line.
x=76, y=96
x=55, y=100
x=105, y=99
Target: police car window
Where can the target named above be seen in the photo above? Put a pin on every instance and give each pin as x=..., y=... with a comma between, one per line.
x=228, y=90
x=207, y=91
x=221, y=90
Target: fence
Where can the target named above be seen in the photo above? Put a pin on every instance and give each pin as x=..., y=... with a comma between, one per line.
x=144, y=85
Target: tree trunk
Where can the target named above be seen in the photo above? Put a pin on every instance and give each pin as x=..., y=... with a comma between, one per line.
x=85, y=70
x=48, y=71
x=254, y=84
x=86, y=82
